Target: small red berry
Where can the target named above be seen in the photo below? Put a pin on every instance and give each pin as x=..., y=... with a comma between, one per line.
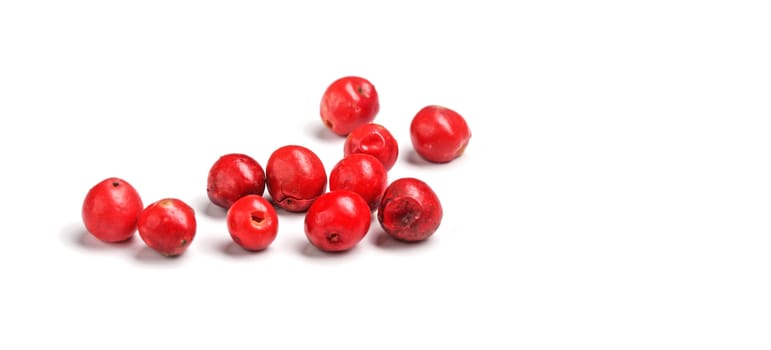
x=167, y=226
x=110, y=210
x=347, y=103
x=252, y=222
x=373, y=139
x=233, y=176
x=295, y=177
x=360, y=173
x=439, y=134
x=410, y=210
x=337, y=221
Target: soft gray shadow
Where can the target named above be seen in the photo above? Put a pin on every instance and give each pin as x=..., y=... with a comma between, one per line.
x=384, y=241
x=308, y=250
x=318, y=130
x=147, y=255
x=77, y=236
x=210, y=209
x=414, y=158
x=232, y=249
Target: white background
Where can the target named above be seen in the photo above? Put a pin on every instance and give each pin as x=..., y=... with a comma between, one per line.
x=616, y=193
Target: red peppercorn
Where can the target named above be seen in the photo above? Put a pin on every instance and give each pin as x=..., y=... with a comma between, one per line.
x=410, y=210
x=111, y=209
x=252, y=222
x=337, y=221
x=439, y=134
x=233, y=176
x=373, y=139
x=347, y=103
x=295, y=177
x=167, y=226
x=360, y=173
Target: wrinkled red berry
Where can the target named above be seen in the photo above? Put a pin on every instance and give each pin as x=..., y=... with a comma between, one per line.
x=360, y=173
x=252, y=222
x=295, y=177
x=337, y=221
x=375, y=140
x=347, y=103
x=233, y=176
x=111, y=209
x=439, y=134
x=410, y=210
x=167, y=226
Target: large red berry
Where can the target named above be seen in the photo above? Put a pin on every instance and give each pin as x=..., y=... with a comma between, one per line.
x=410, y=210
x=375, y=140
x=252, y=222
x=233, y=176
x=360, y=173
x=347, y=103
x=295, y=177
x=337, y=221
x=167, y=226
x=110, y=210
x=439, y=134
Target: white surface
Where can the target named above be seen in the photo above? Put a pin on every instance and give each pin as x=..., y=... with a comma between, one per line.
x=615, y=193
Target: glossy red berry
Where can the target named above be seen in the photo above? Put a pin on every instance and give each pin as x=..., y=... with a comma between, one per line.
x=347, y=103
x=360, y=173
x=233, y=176
x=111, y=209
x=252, y=222
x=337, y=221
x=439, y=134
x=167, y=226
x=375, y=140
x=410, y=210
x=295, y=177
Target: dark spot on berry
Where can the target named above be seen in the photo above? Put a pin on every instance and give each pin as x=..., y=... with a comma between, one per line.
x=183, y=243
x=333, y=237
x=257, y=218
x=363, y=92
x=115, y=184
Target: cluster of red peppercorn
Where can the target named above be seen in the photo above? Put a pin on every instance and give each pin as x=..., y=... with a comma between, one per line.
x=407, y=208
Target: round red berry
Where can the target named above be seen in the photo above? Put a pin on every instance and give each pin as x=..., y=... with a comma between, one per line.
x=233, y=176
x=347, y=103
x=410, y=210
x=360, y=173
x=252, y=222
x=295, y=177
x=375, y=140
x=439, y=134
x=167, y=226
x=110, y=210
x=337, y=221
